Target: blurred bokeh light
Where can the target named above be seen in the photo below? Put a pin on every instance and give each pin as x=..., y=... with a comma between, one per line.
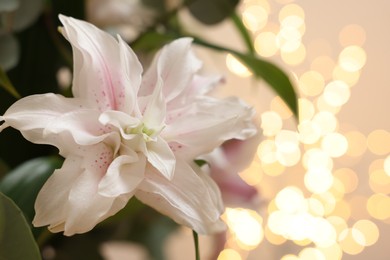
x=324, y=182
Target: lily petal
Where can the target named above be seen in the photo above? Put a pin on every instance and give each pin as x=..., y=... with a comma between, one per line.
x=176, y=64
x=106, y=73
x=55, y=120
x=123, y=175
x=216, y=122
x=69, y=201
x=161, y=157
x=133, y=74
x=3, y=125
x=154, y=115
x=190, y=198
x=200, y=85
x=50, y=208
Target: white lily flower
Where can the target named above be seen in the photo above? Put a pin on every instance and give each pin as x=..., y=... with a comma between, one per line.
x=124, y=134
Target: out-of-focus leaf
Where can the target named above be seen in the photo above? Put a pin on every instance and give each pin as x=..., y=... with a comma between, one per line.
x=150, y=228
x=6, y=84
x=275, y=78
x=9, y=51
x=26, y=14
x=16, y=239
x=3, y=168
x=151, y=41
x=212, y=11
x=156, y=5
x=24, y=182
x=8, y=5
x=269, y=72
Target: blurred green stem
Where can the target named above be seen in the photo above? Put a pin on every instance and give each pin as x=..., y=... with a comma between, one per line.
x=43, y=237
x=196, y=244
x=243, y=32
x=7, y=85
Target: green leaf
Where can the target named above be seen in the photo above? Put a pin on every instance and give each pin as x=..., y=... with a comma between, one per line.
x=151, y=41
x=9, y=5
x=212, y=11
x=275, y=78
x=16, y=239
x=24, y=182
x=273, y=75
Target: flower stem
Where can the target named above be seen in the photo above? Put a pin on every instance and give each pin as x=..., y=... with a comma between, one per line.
x=243, y=32
x=196, y=244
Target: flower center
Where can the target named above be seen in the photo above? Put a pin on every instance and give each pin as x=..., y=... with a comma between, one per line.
x=147, y=133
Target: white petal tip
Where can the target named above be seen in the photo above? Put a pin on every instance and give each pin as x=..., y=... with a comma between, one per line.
x=4, y=125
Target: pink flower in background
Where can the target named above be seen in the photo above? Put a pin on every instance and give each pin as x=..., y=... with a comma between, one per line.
x=127, y=134
x=225, y=163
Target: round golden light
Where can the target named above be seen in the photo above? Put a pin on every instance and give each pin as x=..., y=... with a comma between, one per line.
x=369, y=230
x=253, y=174
x=386, y=165
x=306, y=109
x=352, y=34
x=349, y=77
x=348, y=241
x=348, y=178
x=266, y=151
x=378, y=142
x=326, y=121
x=246, y=225
x=272, y=169
x=328, y=201
x=273, y=238
x=324, y=106
x=334, y=144
x=316, y=158
x=352, y=58
x=311, y=253
x=290, y=257
x=235, y=66
x=311, y=83
x=291, y=9
x=336, y=93
x=338, y=223
x=309, y=132
x=379, y=181
x=265, y=44
x=378, y=205
x=229, y=254
x=271, y=123
x=295, y=56
x=357, y=143
x=342, y=209
x=318, y=180
x=290, y=199
x=254, y=17
x=333, y=252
